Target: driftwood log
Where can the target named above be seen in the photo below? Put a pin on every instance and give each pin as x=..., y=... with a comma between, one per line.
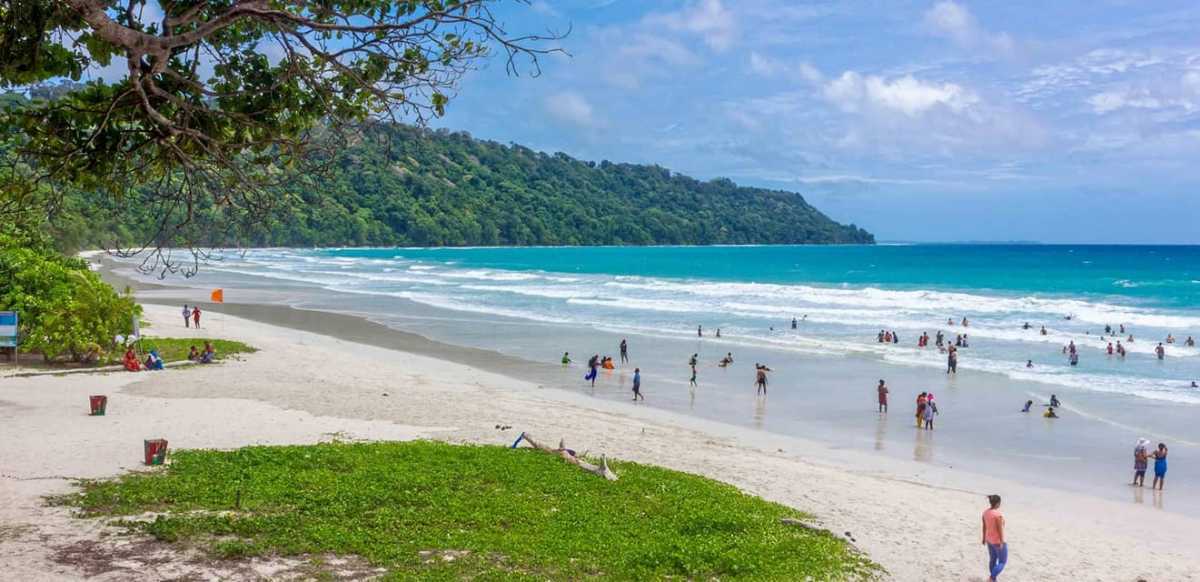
x=569, y=456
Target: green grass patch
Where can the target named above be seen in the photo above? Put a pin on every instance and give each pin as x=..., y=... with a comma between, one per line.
x=176, y=349
x=431, y=510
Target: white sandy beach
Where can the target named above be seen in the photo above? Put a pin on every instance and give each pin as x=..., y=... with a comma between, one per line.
x=919, y=522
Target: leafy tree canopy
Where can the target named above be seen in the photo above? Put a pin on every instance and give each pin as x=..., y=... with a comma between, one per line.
x=218, y=97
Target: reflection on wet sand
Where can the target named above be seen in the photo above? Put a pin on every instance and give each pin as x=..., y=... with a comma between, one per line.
x=880, y=431
x=760, y=411
x=923, y=446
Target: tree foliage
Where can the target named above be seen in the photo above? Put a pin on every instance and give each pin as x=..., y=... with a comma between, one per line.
x=402, y=185
x=219, y=97
x=64, y=308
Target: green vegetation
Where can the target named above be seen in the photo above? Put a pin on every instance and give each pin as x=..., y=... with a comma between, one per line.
x=64, y=308
x=176, y=349
x=499, y=513
x=400, y=185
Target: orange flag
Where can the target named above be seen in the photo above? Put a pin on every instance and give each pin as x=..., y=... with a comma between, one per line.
x=218, y=296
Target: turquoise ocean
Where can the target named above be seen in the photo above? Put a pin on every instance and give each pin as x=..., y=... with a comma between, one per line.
x=537, y=303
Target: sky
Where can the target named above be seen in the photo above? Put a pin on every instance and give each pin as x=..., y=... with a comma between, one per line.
x=1061, y=121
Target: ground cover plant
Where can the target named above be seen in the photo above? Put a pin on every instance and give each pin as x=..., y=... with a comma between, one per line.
x=439, y=511
x=176, y=349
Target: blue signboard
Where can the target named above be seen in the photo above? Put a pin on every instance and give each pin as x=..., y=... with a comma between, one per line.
x=8, y=329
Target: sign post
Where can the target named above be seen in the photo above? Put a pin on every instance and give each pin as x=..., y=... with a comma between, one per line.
x=8, y=332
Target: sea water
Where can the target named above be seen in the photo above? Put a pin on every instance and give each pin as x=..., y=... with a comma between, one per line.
x=537, y=303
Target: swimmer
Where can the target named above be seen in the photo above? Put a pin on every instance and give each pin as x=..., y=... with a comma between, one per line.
x=1159, y=351
x=1026, y=326
x=1029, y=363
x=1044, y=330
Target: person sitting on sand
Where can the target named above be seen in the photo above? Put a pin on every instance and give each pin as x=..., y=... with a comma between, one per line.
x=1028, y=405
x=131, y=361
x=193, y=354
x=209, y=355
x=608, y=363
x=153, y=362
x=1049, y=413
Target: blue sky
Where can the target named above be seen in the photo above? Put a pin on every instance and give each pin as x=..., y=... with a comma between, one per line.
x=1056, y=121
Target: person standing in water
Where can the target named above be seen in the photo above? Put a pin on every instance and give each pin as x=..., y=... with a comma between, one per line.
x=883, y=397
x=637, y=385
x=920, y=409
x=566, y=359
x=1160, y=467
x=993, y=538
x=1160, y=351
x=952, y=361
x=930, y=410
x=793, y=323
x=187, y=316
x=699, y=331
x=624, y=351
x=760, y=379
x=593, y=365
x=1140, y=461
x=718, y=332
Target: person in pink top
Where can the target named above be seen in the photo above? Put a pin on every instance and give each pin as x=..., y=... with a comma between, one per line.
x=993, y=538
x=196, y=316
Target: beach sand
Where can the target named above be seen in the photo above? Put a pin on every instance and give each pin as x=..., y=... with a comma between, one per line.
x=921, y=522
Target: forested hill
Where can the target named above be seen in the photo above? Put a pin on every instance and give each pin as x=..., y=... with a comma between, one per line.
x=402, y=185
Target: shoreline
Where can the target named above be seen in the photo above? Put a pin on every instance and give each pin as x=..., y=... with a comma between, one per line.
x=300, y=379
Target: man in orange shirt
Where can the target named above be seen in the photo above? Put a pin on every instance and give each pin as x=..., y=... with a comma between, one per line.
x=993, y=538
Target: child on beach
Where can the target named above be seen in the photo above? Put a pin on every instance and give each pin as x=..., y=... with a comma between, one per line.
x=187, y=316
x=883, y=397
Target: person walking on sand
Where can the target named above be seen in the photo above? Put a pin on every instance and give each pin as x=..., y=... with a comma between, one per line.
x=624, y=351
x=692, y=363
x=187, y=316
x=196, y=316
x=993, y=538
x=1160, y=467
x=883, y=395
x=637, y=385
x=1140, y=461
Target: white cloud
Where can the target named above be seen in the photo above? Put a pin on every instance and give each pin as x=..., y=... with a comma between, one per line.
x=953, y=20
x=853, y=92
x=708, y=19
x=765, y=66
x=572, y=108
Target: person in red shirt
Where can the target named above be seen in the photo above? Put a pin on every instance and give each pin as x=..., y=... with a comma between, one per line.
x=196, y=316
x=993, y=538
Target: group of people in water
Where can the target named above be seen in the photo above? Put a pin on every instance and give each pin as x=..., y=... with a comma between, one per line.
x=598, y=362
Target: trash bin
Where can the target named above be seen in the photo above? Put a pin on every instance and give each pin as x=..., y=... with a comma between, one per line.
x=156, y=451
x=99, y=405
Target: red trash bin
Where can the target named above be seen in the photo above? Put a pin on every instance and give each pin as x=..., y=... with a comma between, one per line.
x=99, y=405
x=156, y=451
